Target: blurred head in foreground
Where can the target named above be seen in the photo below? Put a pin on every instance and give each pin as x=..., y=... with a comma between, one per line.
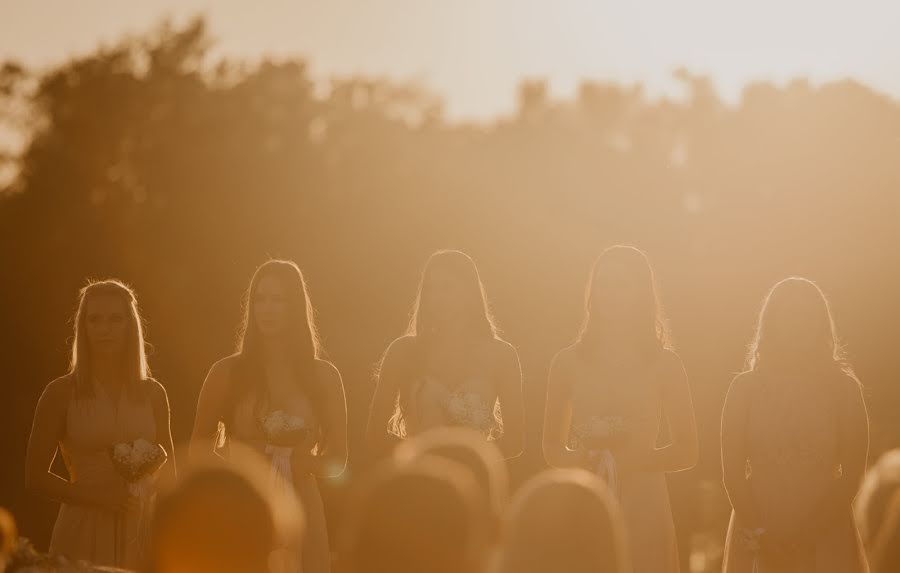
x=414, y=518
x=881, y=484
x=482, y=459
x=885, y=550
x=563, y=520
x=222, y=517
x=8, y=537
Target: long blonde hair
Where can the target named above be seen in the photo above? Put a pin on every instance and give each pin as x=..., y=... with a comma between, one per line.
x=135, y=367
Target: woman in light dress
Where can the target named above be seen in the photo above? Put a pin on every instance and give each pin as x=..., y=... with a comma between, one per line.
x=609, y=393
x=794, y=443
x=451, y=368
x=278, y=371
x=106, y=398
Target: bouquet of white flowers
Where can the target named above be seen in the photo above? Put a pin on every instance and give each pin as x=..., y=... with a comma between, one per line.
x=26, y=559
x=469, y=409
x=600, y=428
x=137, y=460
x=284, y=430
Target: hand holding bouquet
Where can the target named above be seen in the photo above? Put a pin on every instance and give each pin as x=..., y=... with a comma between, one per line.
x=284, y=430
x=469, y=409
x=137, y=460
x=283, y=433
x=26, y=559
x=603, y=433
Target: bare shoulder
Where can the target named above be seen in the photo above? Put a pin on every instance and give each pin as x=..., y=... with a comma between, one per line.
x=400, y=350
x=224, y=366
x=402, y=346
x=565, y=359
x=503, y=352
x=327, y=373
x=741, y=384
x=669, y=363
x=157, y=392
x=849, y=387
x=57, y=393
x=220, y=372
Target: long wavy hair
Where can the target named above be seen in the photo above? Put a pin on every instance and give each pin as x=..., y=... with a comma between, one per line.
x=768, y=350
x=249, y=376
x=135, y=369
x=425, y=326
x=648, y=315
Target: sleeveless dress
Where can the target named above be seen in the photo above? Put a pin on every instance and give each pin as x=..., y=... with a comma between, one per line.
x=603, y=408
x=93, y=426
x=246, y=428
x=792, y=447
x=437, y=406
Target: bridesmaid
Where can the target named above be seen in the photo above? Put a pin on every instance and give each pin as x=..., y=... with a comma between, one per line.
x=277, y=368
x=451, y=368
x=794, y=443
x=106, y=398
x=608, y=395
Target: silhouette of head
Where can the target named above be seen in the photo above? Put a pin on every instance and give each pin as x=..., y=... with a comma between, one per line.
x=795, y=329
x=621, y=302
x=563, y=520
x=278, y=305
x=451, y=293
x=482, y=459
x=108, y=326
x=413, y=518
x=222, y=518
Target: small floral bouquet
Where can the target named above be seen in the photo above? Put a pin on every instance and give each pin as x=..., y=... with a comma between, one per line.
x=469, y=409
x=598, y=429
x=283, y=433
x=284, y=430
x=596, y=435
x=26, y=559
x=138, y=460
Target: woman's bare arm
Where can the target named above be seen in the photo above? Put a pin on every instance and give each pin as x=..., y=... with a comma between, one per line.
x=394, y=368
x=734, y=452
x=509, y=390
x=558, y=413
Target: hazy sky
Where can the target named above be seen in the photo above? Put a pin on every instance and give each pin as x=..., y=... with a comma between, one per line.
x=473, y=52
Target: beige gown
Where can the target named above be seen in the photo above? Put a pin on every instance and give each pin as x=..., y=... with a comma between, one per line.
x=634, y=406
x=101, y=536
x=792, y=443
x=315, y=553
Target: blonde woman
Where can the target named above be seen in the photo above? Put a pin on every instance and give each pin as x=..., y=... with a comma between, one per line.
x=106, y=398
